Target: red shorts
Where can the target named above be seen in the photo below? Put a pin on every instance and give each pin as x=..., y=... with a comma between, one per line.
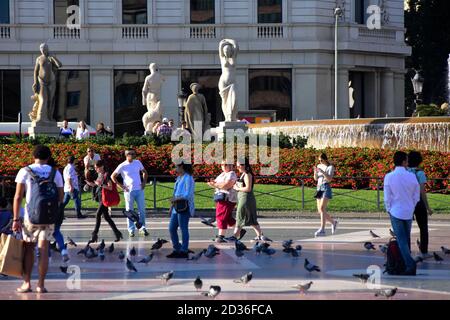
x=224, y=214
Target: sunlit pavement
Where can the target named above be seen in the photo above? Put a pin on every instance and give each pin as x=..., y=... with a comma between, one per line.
x=339, y=256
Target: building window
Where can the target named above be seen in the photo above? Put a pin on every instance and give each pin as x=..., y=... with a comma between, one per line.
x=203, y=12
x=4, y=12
x=72, y=95
x=60, y=14
x=271, y=89
x=128, y=108
x=361, y=11
x=134, y=11
x=270, y=11
x=9, y=95
x=208, y=79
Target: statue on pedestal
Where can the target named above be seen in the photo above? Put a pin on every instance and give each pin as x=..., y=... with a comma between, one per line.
x=151, y=97
x=228, y=50
x=196, y=110
x=44, y=86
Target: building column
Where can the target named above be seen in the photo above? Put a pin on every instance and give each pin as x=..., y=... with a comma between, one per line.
x=387, y=94
x=399, y=95
x=343, y=95
x=26, y=91
x=242, y=89
x=101, y=92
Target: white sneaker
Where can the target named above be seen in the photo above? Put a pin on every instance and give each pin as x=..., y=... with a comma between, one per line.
x=320, y=233
x=334, y=226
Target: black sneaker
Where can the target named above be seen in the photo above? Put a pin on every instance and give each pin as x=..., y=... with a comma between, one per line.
x=231, y=239
x=243, y=232
x=174, y=254
x=220, y=239
x=183, y=255
x=80, y=216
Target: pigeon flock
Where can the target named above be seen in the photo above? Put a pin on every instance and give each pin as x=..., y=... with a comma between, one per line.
x=240, y=250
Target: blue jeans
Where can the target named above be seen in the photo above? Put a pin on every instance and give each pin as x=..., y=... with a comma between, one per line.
x=182, y=221
x=402, y=230
x=76, y=197
x=130, y=198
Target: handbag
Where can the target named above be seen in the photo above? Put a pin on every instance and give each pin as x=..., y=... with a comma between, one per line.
x=181, y=206
x=110, y=198
x=11, y=255
x=220, y=196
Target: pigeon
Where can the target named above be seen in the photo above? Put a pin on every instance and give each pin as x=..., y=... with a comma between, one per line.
x=294, y=253
x=240, y=246
x=121, y=255
x=212, y=251
x=208, y=222
x=90, y=253
x=369, y=246
x=133, y=252
x=267, y=250
x=383, y=248
x=101, y=255
x=198, y=283
x=298, y=248
x=303, y=287
x=239, y=253
x=257, y=247
x=388, y=293
x=63, y=269
x=71, y=242
x=373, y=234
x=83, y=251
x=101, y=246
x=213, y=292
x=197, y=256
x=437, y=257
x=130, y=266
x=147, y=259
x=287, y=244
x=158, y=244
x=111, y=248
x=445, y=250
x=246, y=278
x=362, y=276
x=310, y=267
x=165, y=277
x=392, y=233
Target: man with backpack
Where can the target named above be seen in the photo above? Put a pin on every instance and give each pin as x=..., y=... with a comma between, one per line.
x=44, y=194
x=401, y=194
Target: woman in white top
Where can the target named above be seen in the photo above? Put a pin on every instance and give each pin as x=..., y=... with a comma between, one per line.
x=82, y=131
x=225, y=197
x=323, y=174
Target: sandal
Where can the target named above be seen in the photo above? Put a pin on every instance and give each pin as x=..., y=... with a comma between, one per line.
x=23, y=290
x=41, y=290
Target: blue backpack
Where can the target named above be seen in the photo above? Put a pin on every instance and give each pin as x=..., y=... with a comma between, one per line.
x=44, y=202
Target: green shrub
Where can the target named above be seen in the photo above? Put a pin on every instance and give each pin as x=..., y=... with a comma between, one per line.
x=429, y=110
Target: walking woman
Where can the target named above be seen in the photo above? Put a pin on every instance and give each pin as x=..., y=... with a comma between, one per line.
x=103, y=181
x=225, y=197
x=182, y=210
x=246, y=214
x=323, y=174
x=422, y=210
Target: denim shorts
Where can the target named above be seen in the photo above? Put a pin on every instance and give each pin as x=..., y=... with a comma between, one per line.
x=327, y=192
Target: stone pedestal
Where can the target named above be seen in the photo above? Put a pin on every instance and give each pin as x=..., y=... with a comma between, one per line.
x=230, y=126
x=44, y=128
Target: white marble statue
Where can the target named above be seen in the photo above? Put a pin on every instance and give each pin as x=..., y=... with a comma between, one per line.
x=151, y=97
x=196, y=111
x=228, y=50
x=44, y=86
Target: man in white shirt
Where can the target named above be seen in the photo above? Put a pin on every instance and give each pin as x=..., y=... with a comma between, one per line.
x=33, y=233
x=133, y=187
x=401, y=194
x=71, y=186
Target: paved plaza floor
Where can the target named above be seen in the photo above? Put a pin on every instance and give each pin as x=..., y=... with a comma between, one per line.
x=339, y=256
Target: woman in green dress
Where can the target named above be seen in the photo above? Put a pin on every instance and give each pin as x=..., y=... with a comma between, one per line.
x=246, y=214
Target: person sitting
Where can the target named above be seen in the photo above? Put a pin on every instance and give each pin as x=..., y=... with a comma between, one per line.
x=82, y=131
x=66, y=131
x=101, y=131
x=164, y=130
x=155, y=128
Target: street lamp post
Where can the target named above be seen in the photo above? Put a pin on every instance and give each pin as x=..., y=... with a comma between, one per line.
x=337, y=14
x=181, y=97
x=417, y=83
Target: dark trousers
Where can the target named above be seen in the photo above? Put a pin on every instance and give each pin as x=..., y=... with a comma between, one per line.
x=103, y=211
x=421, y=214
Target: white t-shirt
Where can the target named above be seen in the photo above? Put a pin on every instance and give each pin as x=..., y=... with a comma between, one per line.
x=131, y=174
x=82, y=134
x=328, y=170
x=224, y=177
x=70, y=173
x=88, y=162
x=43, y=171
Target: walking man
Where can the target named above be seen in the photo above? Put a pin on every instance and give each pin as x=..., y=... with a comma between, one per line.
x=401, y=194
x=71, y=187
x=32, y=233
x=133, y=187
